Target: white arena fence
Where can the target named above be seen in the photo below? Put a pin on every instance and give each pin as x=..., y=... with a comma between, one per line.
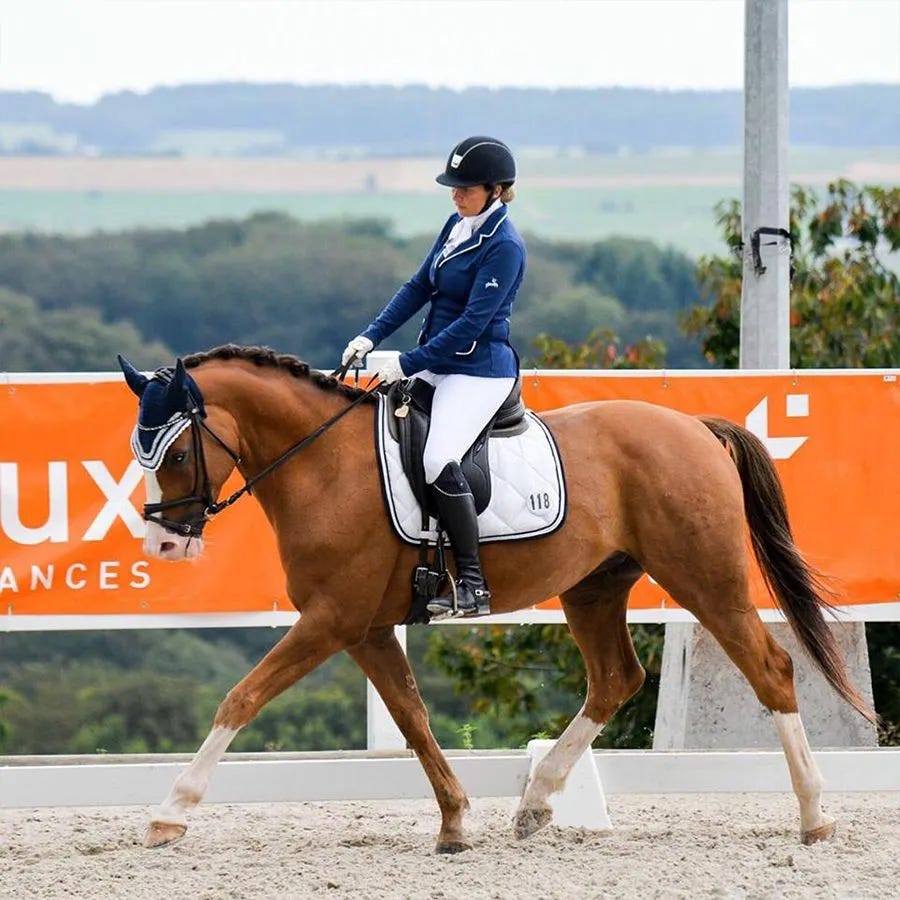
x=27, y=782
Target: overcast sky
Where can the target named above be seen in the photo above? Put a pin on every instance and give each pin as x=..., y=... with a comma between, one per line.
x=80, y=49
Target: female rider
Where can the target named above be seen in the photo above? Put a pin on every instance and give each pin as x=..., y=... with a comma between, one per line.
x=470, y=278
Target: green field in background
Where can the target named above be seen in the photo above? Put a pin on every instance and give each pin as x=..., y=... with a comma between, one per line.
x=678, y=215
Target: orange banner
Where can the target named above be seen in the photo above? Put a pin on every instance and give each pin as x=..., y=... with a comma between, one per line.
x=831, y=435
x=70, y=492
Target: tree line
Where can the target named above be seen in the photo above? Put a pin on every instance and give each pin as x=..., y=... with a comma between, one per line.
x=72, y=303
x=284, y=118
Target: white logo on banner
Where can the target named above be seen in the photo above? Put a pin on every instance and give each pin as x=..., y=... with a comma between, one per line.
x=757, y=421
x=56, y=528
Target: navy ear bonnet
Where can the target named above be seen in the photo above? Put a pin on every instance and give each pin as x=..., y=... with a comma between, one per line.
x=168, y=401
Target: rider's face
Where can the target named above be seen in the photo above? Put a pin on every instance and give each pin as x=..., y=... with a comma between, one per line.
x=470, y=201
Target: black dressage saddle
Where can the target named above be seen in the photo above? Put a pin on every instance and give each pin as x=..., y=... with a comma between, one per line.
x=409, y=418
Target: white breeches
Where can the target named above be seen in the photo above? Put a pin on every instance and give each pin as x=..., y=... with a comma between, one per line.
x=462, y=406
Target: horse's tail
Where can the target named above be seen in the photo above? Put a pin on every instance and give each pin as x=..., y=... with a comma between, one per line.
x=796, y=586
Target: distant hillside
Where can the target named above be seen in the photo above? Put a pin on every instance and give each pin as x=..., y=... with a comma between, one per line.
x=283, y=119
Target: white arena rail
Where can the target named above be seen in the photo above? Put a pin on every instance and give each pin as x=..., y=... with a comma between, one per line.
x=43, y=781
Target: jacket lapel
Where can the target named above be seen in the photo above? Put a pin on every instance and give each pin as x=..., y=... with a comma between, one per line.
x=488, y=230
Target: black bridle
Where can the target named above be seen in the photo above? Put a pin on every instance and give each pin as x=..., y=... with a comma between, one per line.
x=193, y=525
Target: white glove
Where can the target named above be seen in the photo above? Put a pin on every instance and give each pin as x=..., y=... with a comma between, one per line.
x=358, y=347
x=391, y=371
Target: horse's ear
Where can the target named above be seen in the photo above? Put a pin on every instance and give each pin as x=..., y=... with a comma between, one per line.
x=180, y=375
x=137, y=381
x=183, y=386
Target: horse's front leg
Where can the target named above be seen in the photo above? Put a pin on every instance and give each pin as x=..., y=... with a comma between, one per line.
x=309, y=642
x=595, y=611
x=384, y=662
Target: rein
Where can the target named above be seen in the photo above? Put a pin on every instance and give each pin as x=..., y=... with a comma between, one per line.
x=193, y=525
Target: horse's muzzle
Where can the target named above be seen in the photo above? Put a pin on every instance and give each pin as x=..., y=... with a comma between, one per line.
x=162, y=543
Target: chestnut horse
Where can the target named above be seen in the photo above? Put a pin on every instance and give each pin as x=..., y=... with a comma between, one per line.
x=650, y=490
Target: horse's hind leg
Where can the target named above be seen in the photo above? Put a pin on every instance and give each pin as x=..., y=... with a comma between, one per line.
x=384, y=662
x=806, y=779
x=308, y=643
x=595, y=611
x=770, y=671
x=724, y=609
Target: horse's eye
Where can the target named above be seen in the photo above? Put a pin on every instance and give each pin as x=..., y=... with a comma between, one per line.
x=179, y=456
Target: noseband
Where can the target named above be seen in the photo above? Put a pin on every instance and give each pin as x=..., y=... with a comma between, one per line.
x=202, y=490
x=202, y=494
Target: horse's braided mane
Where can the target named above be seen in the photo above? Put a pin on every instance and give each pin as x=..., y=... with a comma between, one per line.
x=265, y=356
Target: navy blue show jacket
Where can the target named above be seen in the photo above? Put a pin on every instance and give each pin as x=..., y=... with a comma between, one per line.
x=471, y=292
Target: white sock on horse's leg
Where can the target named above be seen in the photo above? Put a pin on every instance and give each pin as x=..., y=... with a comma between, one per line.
x=805, y=776
x=551, y=772
x=191, y=784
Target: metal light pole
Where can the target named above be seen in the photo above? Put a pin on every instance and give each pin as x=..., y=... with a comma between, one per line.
x=765, y=291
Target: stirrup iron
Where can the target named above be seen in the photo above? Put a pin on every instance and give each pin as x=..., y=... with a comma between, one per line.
x=440, y=609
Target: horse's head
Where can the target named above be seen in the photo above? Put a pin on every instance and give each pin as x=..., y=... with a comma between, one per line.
x=185, y=455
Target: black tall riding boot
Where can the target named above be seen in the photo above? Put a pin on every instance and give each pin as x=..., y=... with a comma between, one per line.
x=456, y=509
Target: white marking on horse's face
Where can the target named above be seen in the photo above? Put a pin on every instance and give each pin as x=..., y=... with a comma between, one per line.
x=165, y=544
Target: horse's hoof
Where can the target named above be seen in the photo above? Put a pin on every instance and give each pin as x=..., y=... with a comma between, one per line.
x=528, y=821
x=159, y=834
x=822, y=833
x=452, y=846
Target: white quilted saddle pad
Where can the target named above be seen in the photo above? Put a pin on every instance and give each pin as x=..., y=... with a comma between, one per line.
x=528, y=488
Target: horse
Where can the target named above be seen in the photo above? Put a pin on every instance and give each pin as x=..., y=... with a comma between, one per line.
x=650, y=490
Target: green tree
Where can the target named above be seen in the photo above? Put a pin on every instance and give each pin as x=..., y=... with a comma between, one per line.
x=303, y=287
x=134, y=713
x=845, y=298
x=601, y=350
x=309, y=717
x=7, y=698
x=650, y=277
x=526, y=680
x=68, y=340
x=83, y=692
x=569, y=312
x=630, y=287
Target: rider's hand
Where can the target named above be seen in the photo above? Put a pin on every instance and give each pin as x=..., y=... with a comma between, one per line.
x=391, y=371
x=357, y=348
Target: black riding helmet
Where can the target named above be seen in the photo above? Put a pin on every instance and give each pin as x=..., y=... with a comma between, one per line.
x=478, y=160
